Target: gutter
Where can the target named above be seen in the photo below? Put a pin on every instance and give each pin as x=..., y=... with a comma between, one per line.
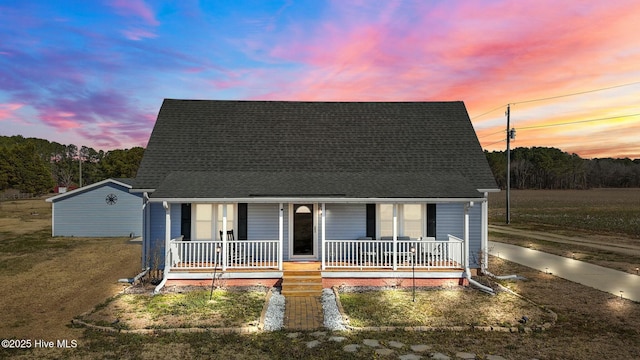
x=504, y=277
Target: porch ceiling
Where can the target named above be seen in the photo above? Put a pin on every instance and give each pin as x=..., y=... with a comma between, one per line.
x=339, y=185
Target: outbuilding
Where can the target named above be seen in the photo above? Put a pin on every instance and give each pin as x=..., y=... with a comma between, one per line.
x=102, y=209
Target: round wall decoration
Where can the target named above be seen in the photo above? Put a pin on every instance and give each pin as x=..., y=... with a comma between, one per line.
x=111, y=199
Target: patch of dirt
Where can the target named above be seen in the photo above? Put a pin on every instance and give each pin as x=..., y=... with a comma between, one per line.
x=41, y=302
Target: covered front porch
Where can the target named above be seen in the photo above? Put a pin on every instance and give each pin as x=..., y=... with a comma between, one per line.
x=380, y=239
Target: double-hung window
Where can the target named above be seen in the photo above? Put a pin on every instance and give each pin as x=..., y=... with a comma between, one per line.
x=412, y=220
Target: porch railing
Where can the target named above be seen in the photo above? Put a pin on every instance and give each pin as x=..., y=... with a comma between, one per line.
x=426, y=254
x=241, y=254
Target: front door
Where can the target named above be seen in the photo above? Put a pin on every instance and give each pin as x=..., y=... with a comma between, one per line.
x=303, y=231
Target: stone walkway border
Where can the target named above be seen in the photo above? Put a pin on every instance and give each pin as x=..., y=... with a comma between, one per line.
x=260, y=326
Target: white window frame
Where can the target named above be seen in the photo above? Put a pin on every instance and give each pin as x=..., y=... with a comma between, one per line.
x=215, y=232
x=400, y=214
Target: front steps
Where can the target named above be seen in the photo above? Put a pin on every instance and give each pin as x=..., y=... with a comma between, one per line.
x=301, y=279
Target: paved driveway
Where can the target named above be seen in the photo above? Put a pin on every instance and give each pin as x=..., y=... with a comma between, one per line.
x=595, y=276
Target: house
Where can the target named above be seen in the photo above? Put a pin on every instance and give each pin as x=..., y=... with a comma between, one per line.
x=102, y=209
x=372, y=192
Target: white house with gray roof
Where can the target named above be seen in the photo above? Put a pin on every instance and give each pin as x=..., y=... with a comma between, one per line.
x=367, y=190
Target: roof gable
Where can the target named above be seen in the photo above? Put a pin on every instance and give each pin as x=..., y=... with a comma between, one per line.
x=323, y=137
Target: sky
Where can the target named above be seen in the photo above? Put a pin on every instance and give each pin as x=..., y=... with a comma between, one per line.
x=94, y=73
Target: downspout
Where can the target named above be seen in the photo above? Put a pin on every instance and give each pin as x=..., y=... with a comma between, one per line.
x=146, y=236
x=136, y=278
x=466, y=253
x=485, y=244
x=167, y=263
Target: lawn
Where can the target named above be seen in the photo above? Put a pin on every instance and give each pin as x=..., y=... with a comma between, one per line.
x=64, y=277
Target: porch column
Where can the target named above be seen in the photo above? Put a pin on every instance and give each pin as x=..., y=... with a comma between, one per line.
x=395, y=236
x=225, y=246
x=323, y=238
x=167, y=235
x=466, y=234
x=485, y=233
x=280, y=235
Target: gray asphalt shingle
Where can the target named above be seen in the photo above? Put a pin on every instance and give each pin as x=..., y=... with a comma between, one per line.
x=209, y=148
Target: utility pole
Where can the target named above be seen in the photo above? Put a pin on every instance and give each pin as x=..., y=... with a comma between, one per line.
x=80, y=164
x=511, y=134
x=508, y=162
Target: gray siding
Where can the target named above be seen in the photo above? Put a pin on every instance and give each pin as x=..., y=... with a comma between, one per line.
x=262, y=222
x=87, y=214
x=345, y=221
x=450, y=220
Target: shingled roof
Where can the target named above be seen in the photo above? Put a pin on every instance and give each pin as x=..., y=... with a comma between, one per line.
x=243, y=149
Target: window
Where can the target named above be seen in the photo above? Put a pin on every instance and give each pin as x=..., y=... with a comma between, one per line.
x=208, y=221
x=386, y=219
x=203, y=225
x=411, y=220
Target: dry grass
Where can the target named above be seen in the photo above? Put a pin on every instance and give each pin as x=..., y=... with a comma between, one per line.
x=191, y=308
x=40, y=300
x=440, y=308
x=45, y=282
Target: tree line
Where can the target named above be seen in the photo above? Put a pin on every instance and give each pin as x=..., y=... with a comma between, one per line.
x=37, y=166
x=551, y=168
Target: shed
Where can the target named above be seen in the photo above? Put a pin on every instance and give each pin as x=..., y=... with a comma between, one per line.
x=102, y=209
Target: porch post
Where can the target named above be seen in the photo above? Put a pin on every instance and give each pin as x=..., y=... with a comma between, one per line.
x=167, y=235
x=485, y=233
x=466, y=234
x=395, y=237
x=225, y=246
x=280, y=235
x=323, y=238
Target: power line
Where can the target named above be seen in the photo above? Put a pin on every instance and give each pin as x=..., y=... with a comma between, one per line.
x=495, y=142
x=577, y=93
x=576, y=122
x=497, y=132
x=557, y=97
x=488, y=112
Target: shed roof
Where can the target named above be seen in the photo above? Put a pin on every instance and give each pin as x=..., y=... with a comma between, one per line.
x=225, y=149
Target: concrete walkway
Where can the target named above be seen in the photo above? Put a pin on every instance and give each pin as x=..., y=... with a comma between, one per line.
x=598, y=277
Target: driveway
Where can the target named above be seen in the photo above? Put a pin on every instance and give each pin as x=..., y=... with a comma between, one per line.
x=598, y=277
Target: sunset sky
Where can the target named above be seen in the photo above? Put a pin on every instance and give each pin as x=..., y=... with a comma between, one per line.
x=94, y=73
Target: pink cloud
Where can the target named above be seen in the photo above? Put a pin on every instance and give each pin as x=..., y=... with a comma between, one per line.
x=138, y=34
x=137, y=8
x=7, y=110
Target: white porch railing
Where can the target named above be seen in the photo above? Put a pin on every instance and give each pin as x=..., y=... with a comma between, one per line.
x=427, y=254
x=241, y=254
